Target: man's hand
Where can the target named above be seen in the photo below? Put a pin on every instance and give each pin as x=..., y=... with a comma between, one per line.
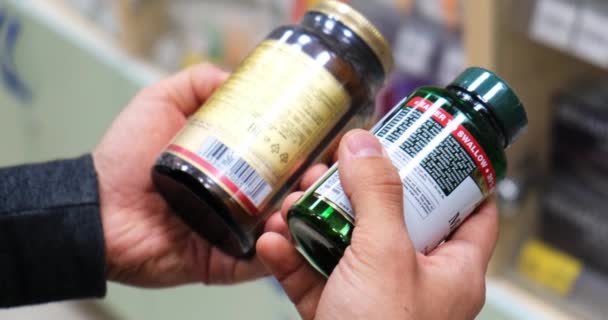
x=381, y=276
x=146, y=244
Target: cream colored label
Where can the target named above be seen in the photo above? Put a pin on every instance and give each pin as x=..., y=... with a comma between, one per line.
x=264, y=122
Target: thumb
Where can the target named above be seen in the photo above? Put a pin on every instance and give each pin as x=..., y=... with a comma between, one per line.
x=372, y=183
x=190, y=88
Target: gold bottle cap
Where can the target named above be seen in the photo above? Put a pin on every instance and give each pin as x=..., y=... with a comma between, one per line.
x=362, y=27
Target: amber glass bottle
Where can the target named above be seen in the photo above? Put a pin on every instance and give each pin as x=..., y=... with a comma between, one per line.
x=244, y=149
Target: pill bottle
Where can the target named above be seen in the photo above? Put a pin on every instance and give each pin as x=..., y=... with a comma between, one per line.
x=448, y=145
x=250, y=142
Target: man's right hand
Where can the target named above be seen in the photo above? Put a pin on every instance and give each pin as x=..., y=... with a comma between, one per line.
x=381, y=276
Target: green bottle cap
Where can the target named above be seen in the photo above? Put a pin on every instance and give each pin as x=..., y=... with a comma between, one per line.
x=498, y=97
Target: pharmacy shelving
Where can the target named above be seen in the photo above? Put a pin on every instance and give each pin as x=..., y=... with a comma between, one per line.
x=97, y=78
x=518, y=39
x=575, y=27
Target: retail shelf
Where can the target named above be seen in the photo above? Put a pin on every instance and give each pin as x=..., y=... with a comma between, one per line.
x=56, y=15
x=575, y=27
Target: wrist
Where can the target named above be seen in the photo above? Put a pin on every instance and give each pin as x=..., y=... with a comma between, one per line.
x=104, y=192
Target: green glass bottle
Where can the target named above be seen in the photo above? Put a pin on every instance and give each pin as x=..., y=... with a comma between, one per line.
x=448, y=145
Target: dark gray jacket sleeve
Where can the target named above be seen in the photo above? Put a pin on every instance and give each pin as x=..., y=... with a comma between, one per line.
x=51, y=237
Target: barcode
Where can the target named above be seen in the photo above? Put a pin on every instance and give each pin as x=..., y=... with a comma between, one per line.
x=236, y=169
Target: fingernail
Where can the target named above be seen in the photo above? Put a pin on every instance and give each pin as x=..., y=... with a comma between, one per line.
x=364, y=144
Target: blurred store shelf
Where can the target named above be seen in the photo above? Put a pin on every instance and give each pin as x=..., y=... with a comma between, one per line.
x=562, y=281
x=518, y=39
x=576, y=27
x=75, y=76
x=58, y=16
x=62, y=83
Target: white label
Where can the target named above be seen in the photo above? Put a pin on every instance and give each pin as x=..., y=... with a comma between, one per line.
x=437, y=160
x=553, y=22
x=591, y=40
x=414, y=50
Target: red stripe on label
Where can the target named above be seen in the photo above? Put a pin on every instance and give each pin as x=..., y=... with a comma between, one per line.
x=464, y=137
x=424, y=105
x=236, y=192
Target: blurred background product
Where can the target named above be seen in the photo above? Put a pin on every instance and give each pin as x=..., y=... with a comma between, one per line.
x=67, y=68
x=573, y=219
x=426, y=35
x=574, y=216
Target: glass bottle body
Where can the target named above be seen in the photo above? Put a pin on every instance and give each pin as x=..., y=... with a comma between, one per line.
x=248, y=145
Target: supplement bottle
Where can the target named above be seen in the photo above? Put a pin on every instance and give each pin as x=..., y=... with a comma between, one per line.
x=448, y=145
x=250, y=142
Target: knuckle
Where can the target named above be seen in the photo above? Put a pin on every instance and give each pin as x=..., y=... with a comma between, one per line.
x=477, y=295
x=379, y=176
x=203, y=68
x=290, y=200
x=151, y=91
x=363, y=260
x=476, y=286
x=471, y=282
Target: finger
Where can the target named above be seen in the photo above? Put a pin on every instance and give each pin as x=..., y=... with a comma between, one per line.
x=289, y=201
x=225, y=269
x=480, y=231
x=463, y=259
x=335, y=153
x=302, y=284
x=374, y=188
x=277, y=224
x=312, y=175
x=190, y=88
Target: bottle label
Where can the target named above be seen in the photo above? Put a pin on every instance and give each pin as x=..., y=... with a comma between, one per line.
x=553, y=22
x=255, y=131
x=445, y=172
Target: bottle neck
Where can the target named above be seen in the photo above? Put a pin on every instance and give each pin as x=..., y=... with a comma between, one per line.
x=481, y=108
x=348, y=45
